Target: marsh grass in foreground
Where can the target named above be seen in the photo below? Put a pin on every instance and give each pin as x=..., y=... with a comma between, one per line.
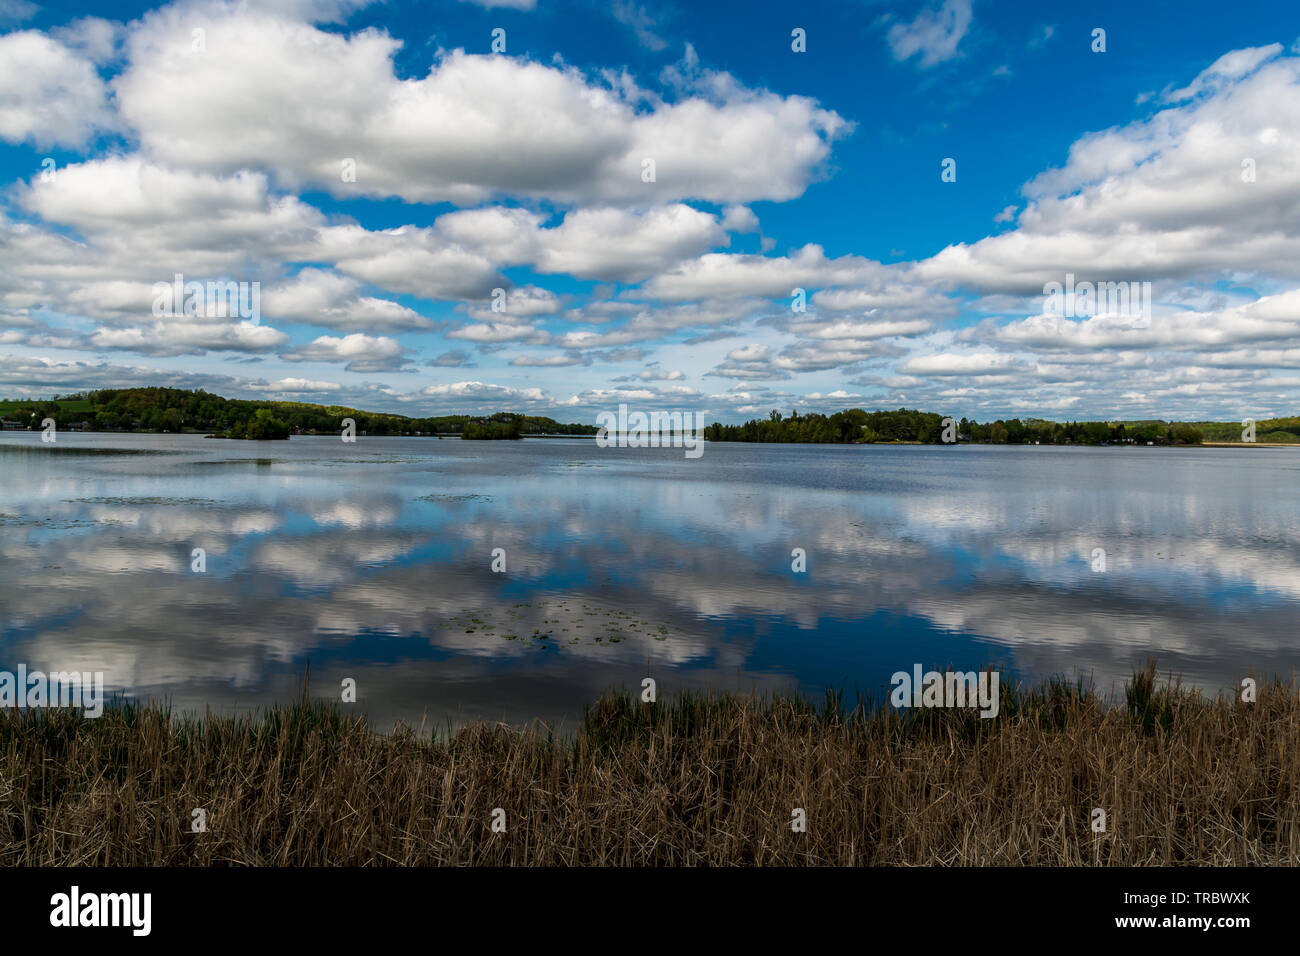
x=698, y=779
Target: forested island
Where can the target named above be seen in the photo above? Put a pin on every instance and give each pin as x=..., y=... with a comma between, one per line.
x=184, y=411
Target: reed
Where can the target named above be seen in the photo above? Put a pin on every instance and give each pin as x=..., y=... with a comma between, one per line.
x=699, y=779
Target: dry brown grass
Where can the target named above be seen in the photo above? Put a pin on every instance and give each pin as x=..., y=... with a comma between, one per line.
x=695, y=780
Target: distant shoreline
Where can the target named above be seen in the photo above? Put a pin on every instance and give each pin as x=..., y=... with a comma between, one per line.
x=182, y=411
x=715, y=441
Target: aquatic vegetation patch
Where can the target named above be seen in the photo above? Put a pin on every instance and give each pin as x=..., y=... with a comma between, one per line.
x=143, y=500
x=556, y=620
x=451, y=497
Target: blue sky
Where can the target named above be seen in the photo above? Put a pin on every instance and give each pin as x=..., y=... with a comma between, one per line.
x=211, y=140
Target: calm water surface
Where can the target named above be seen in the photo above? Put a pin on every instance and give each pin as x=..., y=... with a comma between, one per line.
x=373, y=561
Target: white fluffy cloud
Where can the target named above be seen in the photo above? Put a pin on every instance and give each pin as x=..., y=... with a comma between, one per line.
x=959, y=363
x=49, y=94
x=297, y=386
x=484, y=391
x=725, y=274
x=320, y=297
x=475, y=126
x=362, y=353
x=177, y=337
x=518, y=305
x=1202, y=189
x=607, y=243
x=1272, y=319
x=144, y=222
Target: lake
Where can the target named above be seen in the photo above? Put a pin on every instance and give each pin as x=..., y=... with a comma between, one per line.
x=374, y=561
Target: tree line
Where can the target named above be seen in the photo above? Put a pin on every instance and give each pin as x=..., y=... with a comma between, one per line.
x=185, y=410
x=856, y=426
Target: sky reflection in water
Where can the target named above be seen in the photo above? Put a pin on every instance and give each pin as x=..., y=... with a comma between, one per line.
x=372, y=560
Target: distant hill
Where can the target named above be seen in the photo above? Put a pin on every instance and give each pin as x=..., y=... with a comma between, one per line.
x=1267, y=431
x=182, y=410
